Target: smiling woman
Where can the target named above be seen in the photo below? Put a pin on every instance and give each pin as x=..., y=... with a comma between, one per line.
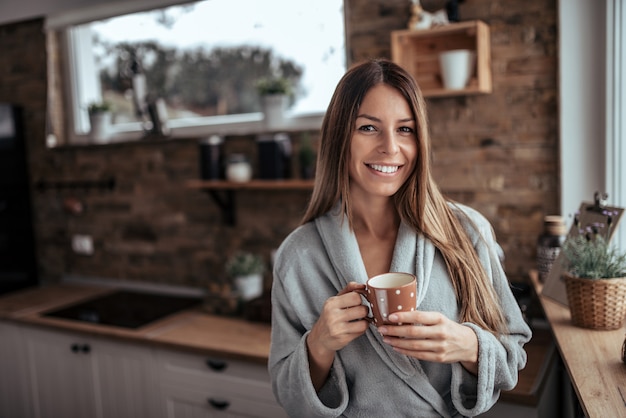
x=202, y=60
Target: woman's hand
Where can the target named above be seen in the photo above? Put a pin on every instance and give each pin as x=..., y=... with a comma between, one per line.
x=436, y=338
x=342, y=320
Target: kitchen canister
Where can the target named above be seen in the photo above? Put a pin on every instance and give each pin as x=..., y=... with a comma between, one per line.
x=211, y=158
x=549, y=244
x=238, y=169
x=274, y=152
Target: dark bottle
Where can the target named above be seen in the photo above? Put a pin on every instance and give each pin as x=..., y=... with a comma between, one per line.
x=211, y=158
x=549, y=244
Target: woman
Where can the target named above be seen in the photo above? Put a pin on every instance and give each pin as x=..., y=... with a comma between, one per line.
x=375, y=208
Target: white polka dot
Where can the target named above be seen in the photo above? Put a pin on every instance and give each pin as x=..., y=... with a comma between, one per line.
x=412, y=309
x=384, y=315
x=382, y=299
x=397, y=291
x=399, y=307
x=412, y=294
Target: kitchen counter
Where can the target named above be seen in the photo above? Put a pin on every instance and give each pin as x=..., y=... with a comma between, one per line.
x=196, y=331
x=592, y=358
x=190, y=330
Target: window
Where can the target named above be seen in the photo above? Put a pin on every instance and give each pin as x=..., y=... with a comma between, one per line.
x=616, y=109
x=592, y=104
x=202, y=60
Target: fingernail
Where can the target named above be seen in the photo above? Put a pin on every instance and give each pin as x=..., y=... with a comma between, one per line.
x=382, y=330
x=393, y=318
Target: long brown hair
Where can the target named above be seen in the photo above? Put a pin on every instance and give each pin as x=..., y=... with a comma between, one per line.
x=419, y=201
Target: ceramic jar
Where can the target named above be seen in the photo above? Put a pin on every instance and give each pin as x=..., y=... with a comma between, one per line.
x=238, y=168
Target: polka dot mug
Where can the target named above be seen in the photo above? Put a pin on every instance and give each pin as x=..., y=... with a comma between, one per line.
x=388, y=293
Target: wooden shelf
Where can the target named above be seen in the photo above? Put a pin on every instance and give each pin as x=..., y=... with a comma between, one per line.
x=294, y=184
x=418, y=52
x=223, y=192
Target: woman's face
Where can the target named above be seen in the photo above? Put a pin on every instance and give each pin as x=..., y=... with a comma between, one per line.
x=383, y=148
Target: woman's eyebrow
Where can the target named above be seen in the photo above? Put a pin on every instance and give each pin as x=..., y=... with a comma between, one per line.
x=366, y=116
x=375, y=119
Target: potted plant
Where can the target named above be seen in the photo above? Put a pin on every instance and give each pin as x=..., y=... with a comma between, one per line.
x=246, y=269
x=306, y=156
x=275, y=93
x=100, y=114
x=595, y=282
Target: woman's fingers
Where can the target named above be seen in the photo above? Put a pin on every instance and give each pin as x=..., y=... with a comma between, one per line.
x=431, y=336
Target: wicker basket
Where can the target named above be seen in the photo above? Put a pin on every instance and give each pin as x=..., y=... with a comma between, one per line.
x=596, y=303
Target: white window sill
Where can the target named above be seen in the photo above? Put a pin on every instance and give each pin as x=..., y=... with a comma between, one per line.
x=244, y=124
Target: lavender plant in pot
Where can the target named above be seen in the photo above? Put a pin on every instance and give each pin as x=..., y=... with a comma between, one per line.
x=595, y=280
x=246, y=269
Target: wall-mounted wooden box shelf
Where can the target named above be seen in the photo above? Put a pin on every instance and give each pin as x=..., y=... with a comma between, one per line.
x=418, y=52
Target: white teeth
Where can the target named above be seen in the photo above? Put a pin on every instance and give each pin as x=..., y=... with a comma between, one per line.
x=384, y=168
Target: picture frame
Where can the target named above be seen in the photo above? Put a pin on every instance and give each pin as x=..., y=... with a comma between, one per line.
x=591, y=217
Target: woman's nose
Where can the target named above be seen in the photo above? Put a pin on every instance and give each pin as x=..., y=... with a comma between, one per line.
x=389, y=143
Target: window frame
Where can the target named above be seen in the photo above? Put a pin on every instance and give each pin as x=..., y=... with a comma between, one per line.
x=78, y=90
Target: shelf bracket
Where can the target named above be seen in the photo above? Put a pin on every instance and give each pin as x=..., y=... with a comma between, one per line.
x=226, y=202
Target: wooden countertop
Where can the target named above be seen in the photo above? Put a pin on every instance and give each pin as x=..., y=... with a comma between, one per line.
x=191, y=330
x=592, y=358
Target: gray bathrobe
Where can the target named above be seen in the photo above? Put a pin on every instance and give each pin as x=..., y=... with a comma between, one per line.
x=368, y=378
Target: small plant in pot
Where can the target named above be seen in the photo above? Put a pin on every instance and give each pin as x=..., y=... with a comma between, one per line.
x=275, y=93
x=306, y=156
x=246, y=269
x=100, y=114
x=274, y=86
x=99, y=107
x=595, y=280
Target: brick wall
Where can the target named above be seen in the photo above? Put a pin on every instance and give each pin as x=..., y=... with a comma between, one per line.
x=497, y=153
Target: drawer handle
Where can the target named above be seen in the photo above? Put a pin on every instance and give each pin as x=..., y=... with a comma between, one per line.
x=219, y=404
x=217, y=365
x=77, y=348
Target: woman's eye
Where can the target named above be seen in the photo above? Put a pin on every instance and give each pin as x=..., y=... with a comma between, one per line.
x=406, y=129
x=367, y=128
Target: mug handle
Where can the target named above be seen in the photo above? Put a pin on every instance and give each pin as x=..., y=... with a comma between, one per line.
x=363, y=292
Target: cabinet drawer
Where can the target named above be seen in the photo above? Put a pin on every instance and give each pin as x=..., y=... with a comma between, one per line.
x=192, y=366
x=204, y=386
x=186, y=402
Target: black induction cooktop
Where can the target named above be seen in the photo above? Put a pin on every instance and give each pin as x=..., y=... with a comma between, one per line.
x=125, y=308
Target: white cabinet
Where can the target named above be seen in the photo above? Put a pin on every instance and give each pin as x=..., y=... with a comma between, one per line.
x=61, y=374
x=125, y=380
x=199, y=386
x=53, y=373
x=73, y=375
x=14, y=392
